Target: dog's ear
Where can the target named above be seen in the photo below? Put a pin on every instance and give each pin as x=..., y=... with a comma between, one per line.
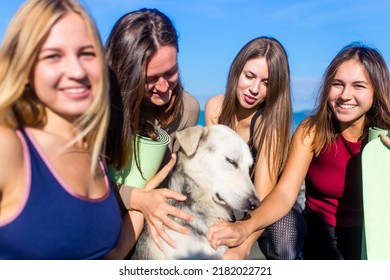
x=189, y=138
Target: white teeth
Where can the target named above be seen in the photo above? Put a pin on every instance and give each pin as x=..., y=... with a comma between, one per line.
x=346, y=106
x=75, y=90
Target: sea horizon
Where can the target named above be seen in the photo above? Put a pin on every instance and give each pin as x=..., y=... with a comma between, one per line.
x=297, y=117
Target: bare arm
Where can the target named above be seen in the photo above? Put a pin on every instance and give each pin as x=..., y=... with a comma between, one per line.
x=277, y=203
x=11, y=172
x=131, y=224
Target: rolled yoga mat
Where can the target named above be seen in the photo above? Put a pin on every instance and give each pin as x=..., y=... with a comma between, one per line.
x=150, y=154
x=376, y=197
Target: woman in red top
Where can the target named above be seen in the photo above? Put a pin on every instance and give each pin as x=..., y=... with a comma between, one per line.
x=325, y=152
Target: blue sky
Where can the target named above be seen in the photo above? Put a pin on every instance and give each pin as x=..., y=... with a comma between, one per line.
x=211, y=32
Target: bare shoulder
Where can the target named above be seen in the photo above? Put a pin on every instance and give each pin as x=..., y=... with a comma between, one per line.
x=215, y=101
x=11, y=154
x=10, y=141
x=303, y=136
x=213, y=109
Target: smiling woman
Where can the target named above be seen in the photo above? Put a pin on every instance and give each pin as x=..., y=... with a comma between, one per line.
x=146, y=93
x=162, y=76
x=326, y=153
x=351, y=93
x=53, y=119
x=67, y=72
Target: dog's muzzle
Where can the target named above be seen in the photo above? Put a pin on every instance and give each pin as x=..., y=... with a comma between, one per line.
x=253, y=202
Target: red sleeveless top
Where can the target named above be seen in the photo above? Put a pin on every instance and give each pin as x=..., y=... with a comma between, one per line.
x=334, y=184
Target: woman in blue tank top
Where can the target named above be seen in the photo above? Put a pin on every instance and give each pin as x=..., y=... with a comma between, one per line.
x=55, y=199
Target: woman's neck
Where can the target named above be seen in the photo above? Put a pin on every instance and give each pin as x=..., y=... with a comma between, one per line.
x=243, y=114
x=243, y=122
x=354, y=132
x=62, y=128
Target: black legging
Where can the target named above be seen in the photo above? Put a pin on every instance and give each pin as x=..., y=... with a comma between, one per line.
x=326, y=242
x=284, y=239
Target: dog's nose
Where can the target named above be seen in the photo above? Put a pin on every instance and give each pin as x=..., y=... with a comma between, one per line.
x=253, y=202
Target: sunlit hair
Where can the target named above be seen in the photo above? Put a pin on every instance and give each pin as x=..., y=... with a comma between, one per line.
x=134, y=39
x=22, y=42
x=323, y=123
x=275, y=124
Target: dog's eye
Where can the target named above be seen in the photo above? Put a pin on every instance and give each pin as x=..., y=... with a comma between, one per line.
x=232, y=162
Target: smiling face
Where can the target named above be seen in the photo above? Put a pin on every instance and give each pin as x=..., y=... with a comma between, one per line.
x=252, y=83
x=351, y=94
x=67, y=71
x=162, y=76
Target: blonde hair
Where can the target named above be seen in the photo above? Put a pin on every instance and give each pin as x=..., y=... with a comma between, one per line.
x=22, y=42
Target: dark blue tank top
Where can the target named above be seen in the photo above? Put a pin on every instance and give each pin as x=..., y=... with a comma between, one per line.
x=52, y=223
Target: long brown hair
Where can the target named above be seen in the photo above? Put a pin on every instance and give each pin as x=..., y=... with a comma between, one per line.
x=134, y=39
x=323, y=124
x=275, y=124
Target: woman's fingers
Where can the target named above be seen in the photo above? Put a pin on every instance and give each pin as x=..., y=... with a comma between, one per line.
x=226, y=233
x=158, y=232
x=163, y=235
x=174, y=211
x=155, y=237
x=385, y=139
x=162, y=217
x=158, y=214
x=214, y=234
x=167, y=193
x=174, y=225
x=161, y=175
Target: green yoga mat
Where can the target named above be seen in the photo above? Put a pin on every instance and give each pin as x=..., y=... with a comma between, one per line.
x=150, y=154
x=376, y=198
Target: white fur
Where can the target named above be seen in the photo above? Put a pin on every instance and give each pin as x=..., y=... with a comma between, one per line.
x=213, y=172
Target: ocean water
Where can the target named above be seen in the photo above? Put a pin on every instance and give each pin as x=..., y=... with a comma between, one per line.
x=297, y=118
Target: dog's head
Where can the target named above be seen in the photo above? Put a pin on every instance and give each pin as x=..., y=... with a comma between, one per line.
x=218, y=160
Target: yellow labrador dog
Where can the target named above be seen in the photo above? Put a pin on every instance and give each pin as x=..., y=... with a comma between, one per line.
x=212, y=170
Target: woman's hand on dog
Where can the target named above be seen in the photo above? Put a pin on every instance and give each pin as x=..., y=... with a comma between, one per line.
x=153, y=204
x=227, y=233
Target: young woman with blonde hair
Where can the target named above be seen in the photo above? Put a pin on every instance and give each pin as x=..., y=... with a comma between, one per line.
x=55, y=198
